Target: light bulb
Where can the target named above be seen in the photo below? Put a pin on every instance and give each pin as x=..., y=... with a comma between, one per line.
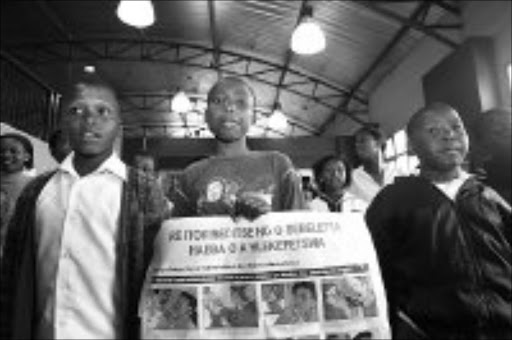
x=278, y=120
x=180, y=103
x=138, y=13
x=89, y=69
x=308, y=38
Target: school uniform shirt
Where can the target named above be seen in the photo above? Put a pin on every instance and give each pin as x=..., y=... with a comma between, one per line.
x=211, y=186
x=366, y=188
x=347, y=203
x=75, y=235
x=451, y=188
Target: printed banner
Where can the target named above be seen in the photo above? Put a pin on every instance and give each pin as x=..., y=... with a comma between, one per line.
x=291, y=275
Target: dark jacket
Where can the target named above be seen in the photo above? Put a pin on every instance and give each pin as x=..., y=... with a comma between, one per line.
x=446, y=264
x=143, y=208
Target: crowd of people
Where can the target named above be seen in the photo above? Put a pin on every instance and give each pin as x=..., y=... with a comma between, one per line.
x=84, y=231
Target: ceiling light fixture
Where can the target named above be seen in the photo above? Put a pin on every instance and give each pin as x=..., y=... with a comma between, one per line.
x=138, y=13
x=277, y=120
x=181, y=103
x=89, y=69
x=308, y=37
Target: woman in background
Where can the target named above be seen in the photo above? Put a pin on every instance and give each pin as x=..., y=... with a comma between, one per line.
x=16, y=157
x=333, y=175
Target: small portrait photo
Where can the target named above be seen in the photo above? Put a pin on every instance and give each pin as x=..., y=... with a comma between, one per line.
x=230, y=306
x=300, y=303
x=357, y=335
x=273, y=298
x=348, y=297
x=173, y=309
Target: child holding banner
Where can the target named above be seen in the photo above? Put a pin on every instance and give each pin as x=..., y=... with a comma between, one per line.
x=236, y=181
x=443, y=240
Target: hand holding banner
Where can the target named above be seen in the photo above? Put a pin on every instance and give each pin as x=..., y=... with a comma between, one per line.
x=285, y=275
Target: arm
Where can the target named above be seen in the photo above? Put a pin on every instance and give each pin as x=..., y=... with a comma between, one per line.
x=380, y=219
x=504, y=210
x=290, y=192
x=183, y=204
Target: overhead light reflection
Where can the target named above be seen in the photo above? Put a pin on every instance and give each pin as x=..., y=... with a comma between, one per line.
x=180, y=103
x=137, y=13
x=308, y=37
x=277, y=120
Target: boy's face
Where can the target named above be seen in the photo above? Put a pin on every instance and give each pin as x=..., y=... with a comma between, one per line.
x=440, y=140
x=366, y=146
x=145, y=163
x=230, y=110
x=92, y=117
x=13, y=155
x=304, y=298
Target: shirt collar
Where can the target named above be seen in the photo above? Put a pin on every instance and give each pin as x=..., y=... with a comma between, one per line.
x=113, y=165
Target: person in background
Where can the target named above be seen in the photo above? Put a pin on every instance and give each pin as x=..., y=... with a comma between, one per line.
x=443, y=240
x=145, y=162
x=493, y=137
x=16, y=157
x=373, y=173
x=59, y=145
x=236, y=181
x=333, y=175
x=75, y=262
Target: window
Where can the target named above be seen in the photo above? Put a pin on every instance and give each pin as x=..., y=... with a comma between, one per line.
x=397, y=153
x=509, y=71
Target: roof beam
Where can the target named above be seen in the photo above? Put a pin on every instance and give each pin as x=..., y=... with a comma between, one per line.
x=408, y=22
x=286, y=64
x=448, y=7
x=55, y=20
x=418, y=12
x=214, y=37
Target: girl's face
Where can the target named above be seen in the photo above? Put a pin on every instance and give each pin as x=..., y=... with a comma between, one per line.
x=334, y=175
x=13, y=155
x=230, y=110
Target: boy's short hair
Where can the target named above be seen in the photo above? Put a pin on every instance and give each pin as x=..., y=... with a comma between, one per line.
x=417, y=117
x=305, y=285
x=27, y=145
x=89, y=80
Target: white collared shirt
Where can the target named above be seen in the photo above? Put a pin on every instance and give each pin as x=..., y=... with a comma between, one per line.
x=451, y=188
x=365, y=187
x=76, y=231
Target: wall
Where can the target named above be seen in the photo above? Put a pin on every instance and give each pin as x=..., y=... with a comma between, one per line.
x=42, y=158
x=400, y=94
x=493, y=19
x=178, y=153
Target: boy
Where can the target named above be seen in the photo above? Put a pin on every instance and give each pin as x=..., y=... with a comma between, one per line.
x=443, y=240
x=236, y=181
x=74, y=264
